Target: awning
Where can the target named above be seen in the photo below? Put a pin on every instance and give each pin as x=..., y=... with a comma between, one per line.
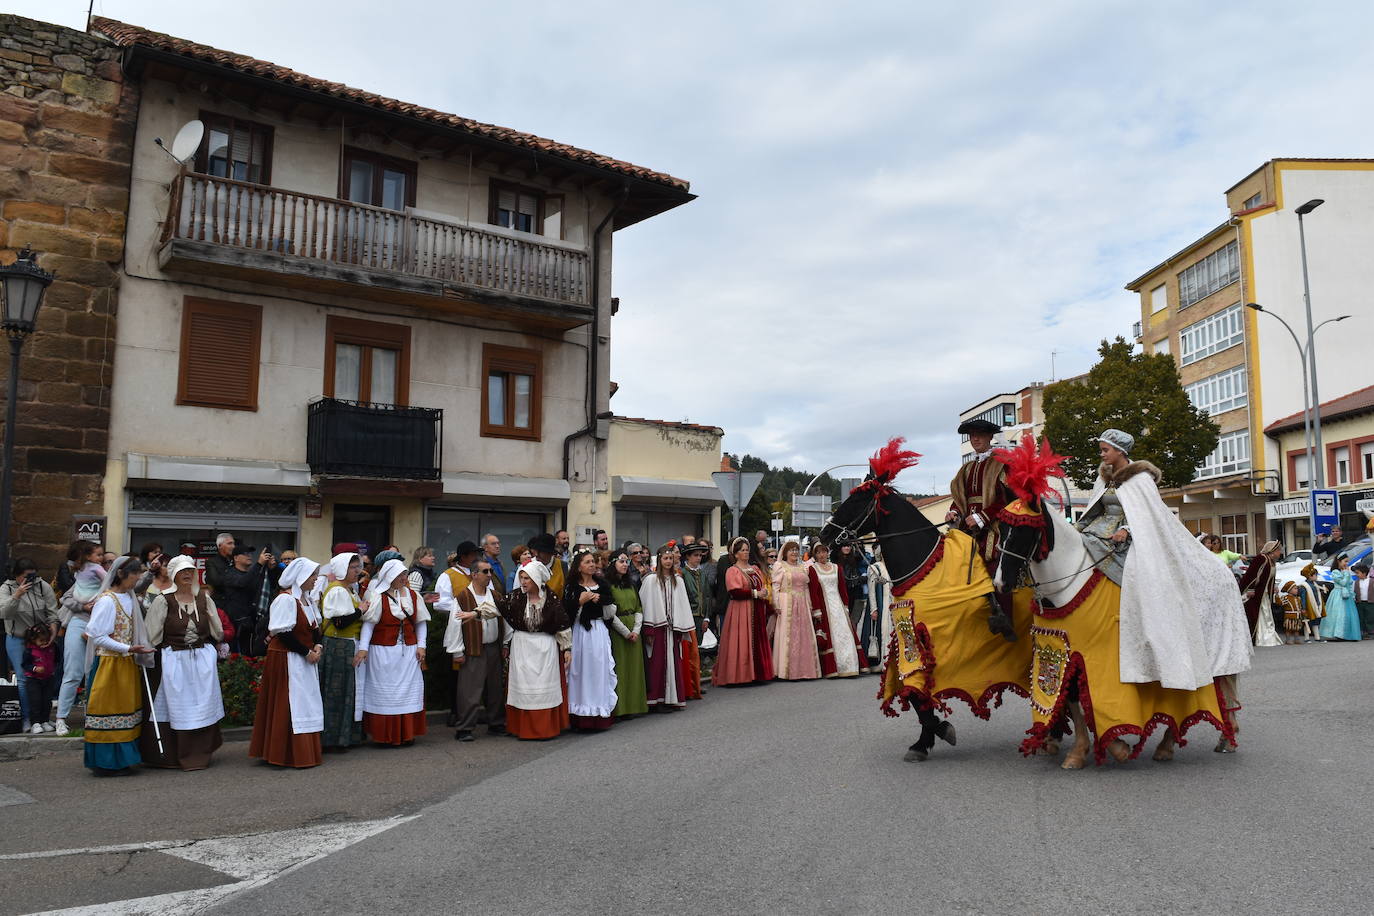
x=505, y=489
x=241, y=472
x=658, y=491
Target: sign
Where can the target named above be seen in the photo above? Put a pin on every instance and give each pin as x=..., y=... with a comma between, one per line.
x=737, y=487
x=314, y=508
x=810, y=511
x=1365, y=506
x=776, y=524
x=89, y=528
x=1297, y=507
x=1326, y=510
x=848, y=485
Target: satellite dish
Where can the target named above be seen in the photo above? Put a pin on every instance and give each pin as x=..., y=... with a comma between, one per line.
x=187, y=141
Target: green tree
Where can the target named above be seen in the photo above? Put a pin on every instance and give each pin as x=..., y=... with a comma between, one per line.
x=777, y=486
x=1140, y=394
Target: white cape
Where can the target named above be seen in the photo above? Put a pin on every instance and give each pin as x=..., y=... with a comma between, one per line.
x=1182, y=621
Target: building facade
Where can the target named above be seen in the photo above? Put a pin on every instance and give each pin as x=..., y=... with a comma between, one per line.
x=661, y=485
x=1243, y=367
x=349, y=318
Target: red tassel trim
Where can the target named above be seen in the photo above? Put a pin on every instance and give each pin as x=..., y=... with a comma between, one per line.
x=915, y=578
x=1020, y=520
x=927, y=697
x=1050, y=612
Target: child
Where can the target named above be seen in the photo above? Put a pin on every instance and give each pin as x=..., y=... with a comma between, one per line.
x=1364, y=599
x=40, y=675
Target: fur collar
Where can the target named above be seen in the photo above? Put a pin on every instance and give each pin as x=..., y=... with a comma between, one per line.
x=1117, y=478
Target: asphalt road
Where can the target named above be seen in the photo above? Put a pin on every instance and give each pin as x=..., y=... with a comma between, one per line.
x=785, y=798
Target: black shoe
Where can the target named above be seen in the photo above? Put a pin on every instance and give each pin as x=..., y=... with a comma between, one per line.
x=462, y=736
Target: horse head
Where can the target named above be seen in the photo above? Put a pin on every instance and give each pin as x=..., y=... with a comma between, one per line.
x=1027, y=535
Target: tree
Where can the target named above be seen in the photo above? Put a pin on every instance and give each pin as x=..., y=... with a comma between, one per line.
x=777, y=486
x=1140, y=394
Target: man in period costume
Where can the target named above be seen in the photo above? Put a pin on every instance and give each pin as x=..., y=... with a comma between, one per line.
x=980, y=492
x=700, y=581
x=474, y=637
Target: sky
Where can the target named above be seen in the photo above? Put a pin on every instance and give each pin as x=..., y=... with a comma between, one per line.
x=904, y=208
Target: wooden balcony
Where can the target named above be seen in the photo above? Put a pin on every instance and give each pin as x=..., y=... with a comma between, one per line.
x=262, y=234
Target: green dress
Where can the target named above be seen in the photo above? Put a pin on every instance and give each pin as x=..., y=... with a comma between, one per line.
x=631, y=694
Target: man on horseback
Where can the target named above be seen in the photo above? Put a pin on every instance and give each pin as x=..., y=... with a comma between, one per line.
x=980, y=492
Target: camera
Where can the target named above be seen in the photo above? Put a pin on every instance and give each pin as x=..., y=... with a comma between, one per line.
x=31, y=578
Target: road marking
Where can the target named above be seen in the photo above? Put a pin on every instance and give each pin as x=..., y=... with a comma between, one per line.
x=255, y=859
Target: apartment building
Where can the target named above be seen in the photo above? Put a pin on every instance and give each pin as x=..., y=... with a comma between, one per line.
x=351, y=318
x=1243, y=367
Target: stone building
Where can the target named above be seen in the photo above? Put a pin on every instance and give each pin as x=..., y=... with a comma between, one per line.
x=66, y=130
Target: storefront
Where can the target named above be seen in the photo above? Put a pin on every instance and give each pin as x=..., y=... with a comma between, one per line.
x=172, y=518
x=653, y=511
x=514, y=509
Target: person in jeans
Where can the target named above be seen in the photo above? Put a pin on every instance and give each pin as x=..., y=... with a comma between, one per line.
x=26, y=601
x=84, y=559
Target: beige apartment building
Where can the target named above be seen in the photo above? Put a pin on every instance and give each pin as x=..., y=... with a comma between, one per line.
x=350, y=318
x=1241, y=366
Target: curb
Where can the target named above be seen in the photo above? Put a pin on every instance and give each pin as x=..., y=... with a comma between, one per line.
x=27, y=747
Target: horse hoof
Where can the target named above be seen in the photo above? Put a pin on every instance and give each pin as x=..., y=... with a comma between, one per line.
x=1163, y=754
x=913, y=754
x=947, y=735
x=1049, y=749
x=1074, y=760
x=1119, y=750
x=1224, y=747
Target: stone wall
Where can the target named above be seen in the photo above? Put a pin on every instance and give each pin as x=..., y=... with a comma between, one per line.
x=66, y=131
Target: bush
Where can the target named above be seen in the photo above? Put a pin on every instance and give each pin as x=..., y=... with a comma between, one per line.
x=240, y=678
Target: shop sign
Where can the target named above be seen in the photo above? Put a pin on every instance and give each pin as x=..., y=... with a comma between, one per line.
x=89, y=528
x=1297, y=507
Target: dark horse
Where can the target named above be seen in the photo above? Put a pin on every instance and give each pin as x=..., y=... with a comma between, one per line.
x=908, y=539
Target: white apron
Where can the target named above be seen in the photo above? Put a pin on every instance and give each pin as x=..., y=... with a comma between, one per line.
x=189, y=695
x=534, y=682
x=846, y=653
x=1265, y=634
x=307, y=709
x=393, y=684
x=591, y=676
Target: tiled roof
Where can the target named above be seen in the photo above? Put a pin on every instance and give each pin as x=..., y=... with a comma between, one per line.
x=1349, y=405
x=924, y=501
x=126, y=35
x=693, y=426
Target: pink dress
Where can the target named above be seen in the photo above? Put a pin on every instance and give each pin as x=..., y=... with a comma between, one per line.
x=795, y=656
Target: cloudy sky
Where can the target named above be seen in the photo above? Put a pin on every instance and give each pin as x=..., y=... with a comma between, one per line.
x=904, y=207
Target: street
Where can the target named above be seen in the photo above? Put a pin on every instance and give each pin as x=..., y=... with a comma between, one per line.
x=785, y=798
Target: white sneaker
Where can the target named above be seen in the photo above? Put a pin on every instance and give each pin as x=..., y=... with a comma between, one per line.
x=49, y=727
x=62, y=729
x=36, y=729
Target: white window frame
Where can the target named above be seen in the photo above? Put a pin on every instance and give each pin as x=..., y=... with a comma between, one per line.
x=1159, y=298
x=1227, y=390
x=1231, y=456
x=1367, y=460
x=1161, y=347
x=1302, y=480
x=1341, y=458
x=1211, y=335
x=1217, y=271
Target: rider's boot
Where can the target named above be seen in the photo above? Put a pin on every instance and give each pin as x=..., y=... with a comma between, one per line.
x=999, y=615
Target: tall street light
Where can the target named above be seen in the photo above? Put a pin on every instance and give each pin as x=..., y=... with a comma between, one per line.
x=1317, y=474
x=1307, y=399
x=24, y=284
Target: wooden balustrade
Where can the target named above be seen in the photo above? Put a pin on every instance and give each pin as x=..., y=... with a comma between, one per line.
x=260, y=218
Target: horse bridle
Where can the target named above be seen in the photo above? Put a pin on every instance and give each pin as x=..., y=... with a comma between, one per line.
x=853, y=538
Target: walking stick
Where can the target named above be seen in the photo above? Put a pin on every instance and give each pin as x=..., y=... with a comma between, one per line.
x=157, y=732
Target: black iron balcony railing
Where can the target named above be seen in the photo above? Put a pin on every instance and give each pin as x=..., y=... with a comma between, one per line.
x=353, y=439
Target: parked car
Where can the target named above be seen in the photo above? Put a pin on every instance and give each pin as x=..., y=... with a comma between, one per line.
x=1290, y=567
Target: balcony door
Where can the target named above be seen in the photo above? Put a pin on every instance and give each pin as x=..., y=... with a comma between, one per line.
x=367, y=361
x=370, y=238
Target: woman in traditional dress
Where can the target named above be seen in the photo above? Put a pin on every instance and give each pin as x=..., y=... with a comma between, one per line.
x=795, y=654
x=744, y=655
x=341, y=682
x=840, y=653
x=667, y=621
x=625, y=645
x=1257, y=594
x=1342, y=621
x=290, y=715
x=392, y=649
x=184, y=624
x=592, y=683
x=117, y=644
x=536, y=708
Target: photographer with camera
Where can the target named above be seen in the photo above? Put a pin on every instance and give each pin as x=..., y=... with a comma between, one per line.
x=26, y=601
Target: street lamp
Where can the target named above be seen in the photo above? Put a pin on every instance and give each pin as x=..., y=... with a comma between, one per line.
x=1317, y=474
x=24, y=284
x=1307, y=405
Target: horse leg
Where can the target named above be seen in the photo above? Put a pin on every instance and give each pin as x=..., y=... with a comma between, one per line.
x=1164, y=751
x=932, y=727
x=1077, y=757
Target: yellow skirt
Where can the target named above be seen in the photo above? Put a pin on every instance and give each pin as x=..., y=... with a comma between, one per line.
x=114, y=712
x=941, y=647
x=1081, y=643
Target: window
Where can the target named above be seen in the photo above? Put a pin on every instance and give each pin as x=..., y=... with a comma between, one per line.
x=1342, y=458
x=367, y=361
x=237, y=149
x=1218, y=269
x=220, y=347
x=1219, y=393
x=1159, y=298
x=1232, y=454
x=511, y=392
x=1367, y=460
x=1161, y=347
x=1211, y=335
x=1235, y=534
x=525, y=209
x=377, y=180
x=1000, y=414
x=1301, y=481
x=1253, y=201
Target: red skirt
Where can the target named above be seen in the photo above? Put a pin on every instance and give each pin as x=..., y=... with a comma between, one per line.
x=395, y=730
x=273, y=740
x=542, y=724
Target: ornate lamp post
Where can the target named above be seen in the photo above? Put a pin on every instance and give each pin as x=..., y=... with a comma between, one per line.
x=24, y=284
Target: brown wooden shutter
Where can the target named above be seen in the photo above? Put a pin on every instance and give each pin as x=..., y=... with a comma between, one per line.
x=220, y=347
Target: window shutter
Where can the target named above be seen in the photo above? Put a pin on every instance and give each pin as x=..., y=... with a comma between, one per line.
x=220, y=347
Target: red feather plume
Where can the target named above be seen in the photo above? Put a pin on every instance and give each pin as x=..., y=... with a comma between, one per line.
x=1029, y=469
x=890, y=460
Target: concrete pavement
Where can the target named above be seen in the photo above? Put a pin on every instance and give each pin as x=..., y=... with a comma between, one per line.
x=785, y=798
